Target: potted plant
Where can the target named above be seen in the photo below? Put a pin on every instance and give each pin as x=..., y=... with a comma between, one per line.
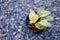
x=39, y=20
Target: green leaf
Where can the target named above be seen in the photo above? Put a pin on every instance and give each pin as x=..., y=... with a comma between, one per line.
x=45, y=23
x=39, y=26
x=40, y=9
x=33, y=17
x=48, y=18
x=42, y=12
x=45, y=13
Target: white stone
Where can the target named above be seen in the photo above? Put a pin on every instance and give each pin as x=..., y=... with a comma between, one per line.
x=57, y=18
x=9, y=0
x=36, y=1
x=56, y=37
x=21, y=22
x=20, y=26
x=12, y=18
x=19, y=30
x=14, y=33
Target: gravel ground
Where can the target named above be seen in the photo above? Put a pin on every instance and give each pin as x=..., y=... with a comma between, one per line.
x=13, y=15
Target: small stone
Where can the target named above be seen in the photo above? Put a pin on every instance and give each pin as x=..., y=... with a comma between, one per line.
x=19, y=30
x=57, y=18
x=20, y=26
x=56, y=37
x=9, y=0
x=19, y=39
x=12, y=18
x=36, y=1
x=21, y=22
x=14, y=33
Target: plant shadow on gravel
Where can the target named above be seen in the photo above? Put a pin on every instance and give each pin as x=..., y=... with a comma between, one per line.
x=33, y=31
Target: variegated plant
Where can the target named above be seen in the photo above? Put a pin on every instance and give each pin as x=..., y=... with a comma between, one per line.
x=44, y=16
